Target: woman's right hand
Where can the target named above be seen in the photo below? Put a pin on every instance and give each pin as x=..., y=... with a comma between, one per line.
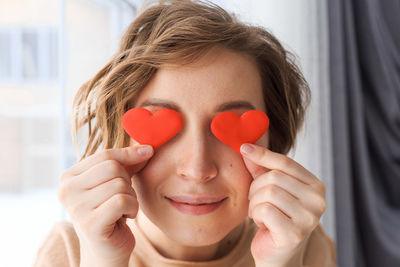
x=97, y=194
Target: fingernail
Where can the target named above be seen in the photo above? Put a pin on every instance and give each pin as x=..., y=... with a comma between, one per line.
x=246, y=149
x=145, y=150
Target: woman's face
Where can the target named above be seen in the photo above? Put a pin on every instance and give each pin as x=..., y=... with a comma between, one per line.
x=195, y=163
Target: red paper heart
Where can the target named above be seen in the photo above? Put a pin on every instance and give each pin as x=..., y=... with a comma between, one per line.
x=152, y=129
x=233, y=130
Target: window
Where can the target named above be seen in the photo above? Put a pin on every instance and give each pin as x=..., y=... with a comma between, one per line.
x=29, y=55
x=43, y=61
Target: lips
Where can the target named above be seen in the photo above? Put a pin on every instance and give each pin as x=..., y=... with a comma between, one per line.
x=196, y=205
x=196, y=200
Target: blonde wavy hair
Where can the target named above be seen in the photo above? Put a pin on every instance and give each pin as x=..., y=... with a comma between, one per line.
x=178, y=32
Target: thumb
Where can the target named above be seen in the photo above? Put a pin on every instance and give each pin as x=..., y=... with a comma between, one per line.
x=126, y=156
x=135, y=166
x=133, y=169
x=254, y=169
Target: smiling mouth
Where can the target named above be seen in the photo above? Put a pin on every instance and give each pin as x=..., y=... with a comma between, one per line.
x=195, y=200
x=196, y=204
x=195, y=208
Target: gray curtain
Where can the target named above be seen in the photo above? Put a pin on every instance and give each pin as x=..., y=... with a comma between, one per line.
x=364, y=40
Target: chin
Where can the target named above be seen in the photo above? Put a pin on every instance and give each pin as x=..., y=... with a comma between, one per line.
x=198, y=236
x=201, y=232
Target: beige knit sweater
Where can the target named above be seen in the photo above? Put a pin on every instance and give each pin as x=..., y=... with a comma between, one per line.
x=61, y=249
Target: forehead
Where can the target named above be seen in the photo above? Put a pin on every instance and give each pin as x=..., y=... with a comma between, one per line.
x=218, y=77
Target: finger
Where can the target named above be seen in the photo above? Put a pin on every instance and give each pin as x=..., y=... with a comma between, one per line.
x=280, y=226
x=280, y=198
x=100, y=194
x=254, y=169
x=135, y=168
x=278, y=178
x=309, y=197
x=114, y=208
x=275, y=161
x=72, y=190
x=101, y=173
x=127, y=156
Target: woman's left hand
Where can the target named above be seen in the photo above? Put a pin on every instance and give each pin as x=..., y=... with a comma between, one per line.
x=286, y=203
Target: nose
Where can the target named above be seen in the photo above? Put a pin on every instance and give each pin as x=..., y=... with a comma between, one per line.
x=196, y=162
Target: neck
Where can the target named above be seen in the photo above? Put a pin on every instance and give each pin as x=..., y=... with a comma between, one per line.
x=173, y=250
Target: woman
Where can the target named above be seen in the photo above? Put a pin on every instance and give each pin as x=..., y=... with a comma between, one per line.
x=194, y=201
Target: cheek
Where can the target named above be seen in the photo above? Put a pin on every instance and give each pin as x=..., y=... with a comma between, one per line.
x=264, y=140
x=145, y=182
x=239, y=180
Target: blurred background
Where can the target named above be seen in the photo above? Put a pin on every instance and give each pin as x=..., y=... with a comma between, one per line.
x=49, y=48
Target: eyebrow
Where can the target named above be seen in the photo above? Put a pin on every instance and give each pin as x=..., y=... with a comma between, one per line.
x=223, y=107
